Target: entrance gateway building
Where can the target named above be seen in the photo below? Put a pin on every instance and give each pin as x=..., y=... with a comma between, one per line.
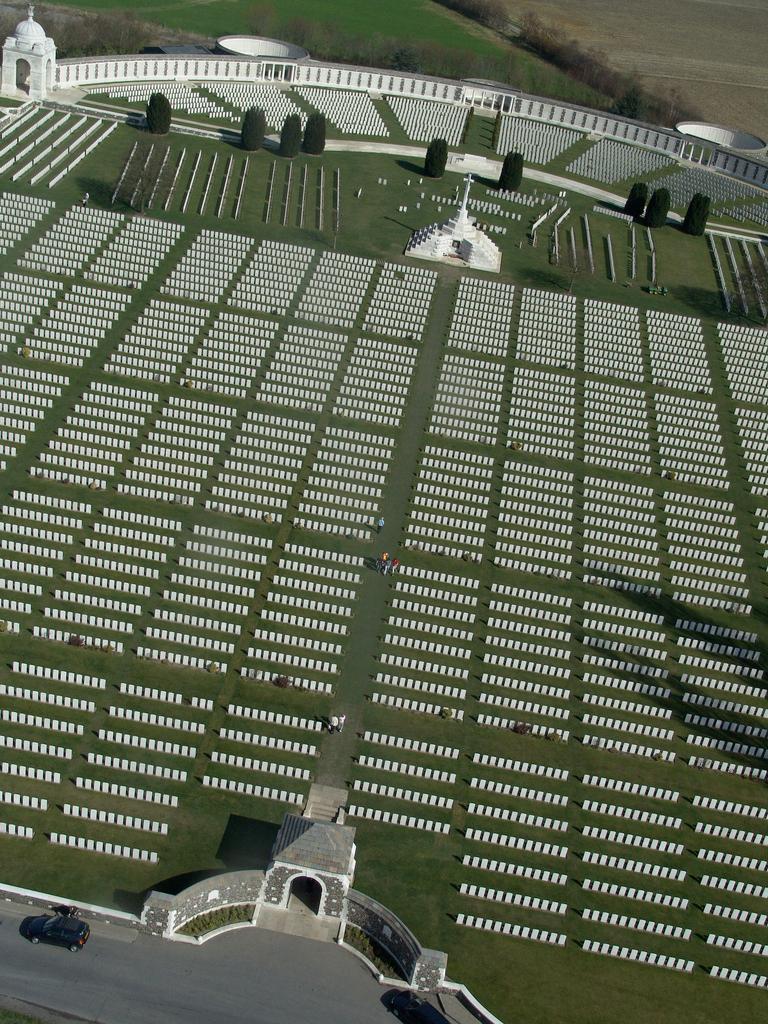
x=311, y=869
x=318, y=855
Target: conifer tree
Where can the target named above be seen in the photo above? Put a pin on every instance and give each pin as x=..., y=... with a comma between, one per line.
x=511, y=172
x=436, y=158
x=290, y=136
x=658, y=208
x=314, y=134
x=253, y=130
x=695, y=221
x=636, y=200
x=158, y=114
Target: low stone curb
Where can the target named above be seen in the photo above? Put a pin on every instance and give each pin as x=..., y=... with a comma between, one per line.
x=382, y=979
x=198, y=940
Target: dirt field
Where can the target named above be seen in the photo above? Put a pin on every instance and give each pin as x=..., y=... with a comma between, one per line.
x=712, y=51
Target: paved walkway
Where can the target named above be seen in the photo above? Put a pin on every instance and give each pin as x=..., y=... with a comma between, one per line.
x=474, y=164
x=471, y=163
x=376, y=590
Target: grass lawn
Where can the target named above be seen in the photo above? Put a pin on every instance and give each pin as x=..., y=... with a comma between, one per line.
x=420, y=21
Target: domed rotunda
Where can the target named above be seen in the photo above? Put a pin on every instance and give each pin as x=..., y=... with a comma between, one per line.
x=29, y=31
x=29, y=60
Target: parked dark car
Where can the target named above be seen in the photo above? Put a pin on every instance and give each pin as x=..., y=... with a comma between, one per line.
x=59, y=931
x=410, y=1009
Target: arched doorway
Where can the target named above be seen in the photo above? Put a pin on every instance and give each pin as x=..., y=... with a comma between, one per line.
x=305, y=895
x=23, y=71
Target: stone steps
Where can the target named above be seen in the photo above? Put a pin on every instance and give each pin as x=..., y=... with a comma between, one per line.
x=324, y=802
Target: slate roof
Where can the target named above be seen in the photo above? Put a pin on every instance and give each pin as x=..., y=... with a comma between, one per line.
x=314, y=844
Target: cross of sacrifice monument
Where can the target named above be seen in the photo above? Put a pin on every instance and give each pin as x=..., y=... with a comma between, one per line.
x=456, y=240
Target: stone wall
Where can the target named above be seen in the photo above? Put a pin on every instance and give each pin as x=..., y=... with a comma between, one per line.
x=46, y=901
x=164, y=913
x=87, y=72
x=429, y=970
x=385, y=927
x=335, y=892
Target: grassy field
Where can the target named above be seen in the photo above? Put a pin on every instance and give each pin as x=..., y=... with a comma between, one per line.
x=414, y=872
x=424, y=19
x=420, y=21
x=712, y=55
x=714, y=62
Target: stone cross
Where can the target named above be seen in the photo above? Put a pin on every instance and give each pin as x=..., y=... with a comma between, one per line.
x=467, y=183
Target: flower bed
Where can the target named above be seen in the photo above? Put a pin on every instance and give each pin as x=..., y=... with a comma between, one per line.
x=204, y=923
x=373, y=951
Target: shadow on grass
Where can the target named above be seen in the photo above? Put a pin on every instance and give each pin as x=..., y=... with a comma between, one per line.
x=132, y=902
x=400, y=223
x=607, y=258
x=544, y=277
x=412, y=168
x=701, y=300
x=99, y=191
x=245, y=846
x=696, y=622
x=247, y=843
x=484, y=182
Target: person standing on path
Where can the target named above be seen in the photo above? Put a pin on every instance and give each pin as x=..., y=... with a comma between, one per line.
x=334, y=724
x=342, y=720
x=380, y=524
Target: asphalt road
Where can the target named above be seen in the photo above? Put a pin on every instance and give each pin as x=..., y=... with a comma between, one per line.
x=250, y=975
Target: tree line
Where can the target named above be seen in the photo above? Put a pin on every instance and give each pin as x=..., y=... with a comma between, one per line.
x=592, y=67
x=331, y=42
x=510, y=177
x=644, y=206
x=81, y=33
x=652, y=208
x=589, y=68
x=492, y=14
x=253, y=128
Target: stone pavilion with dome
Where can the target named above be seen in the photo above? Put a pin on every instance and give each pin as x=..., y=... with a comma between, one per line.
x=29, y=60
